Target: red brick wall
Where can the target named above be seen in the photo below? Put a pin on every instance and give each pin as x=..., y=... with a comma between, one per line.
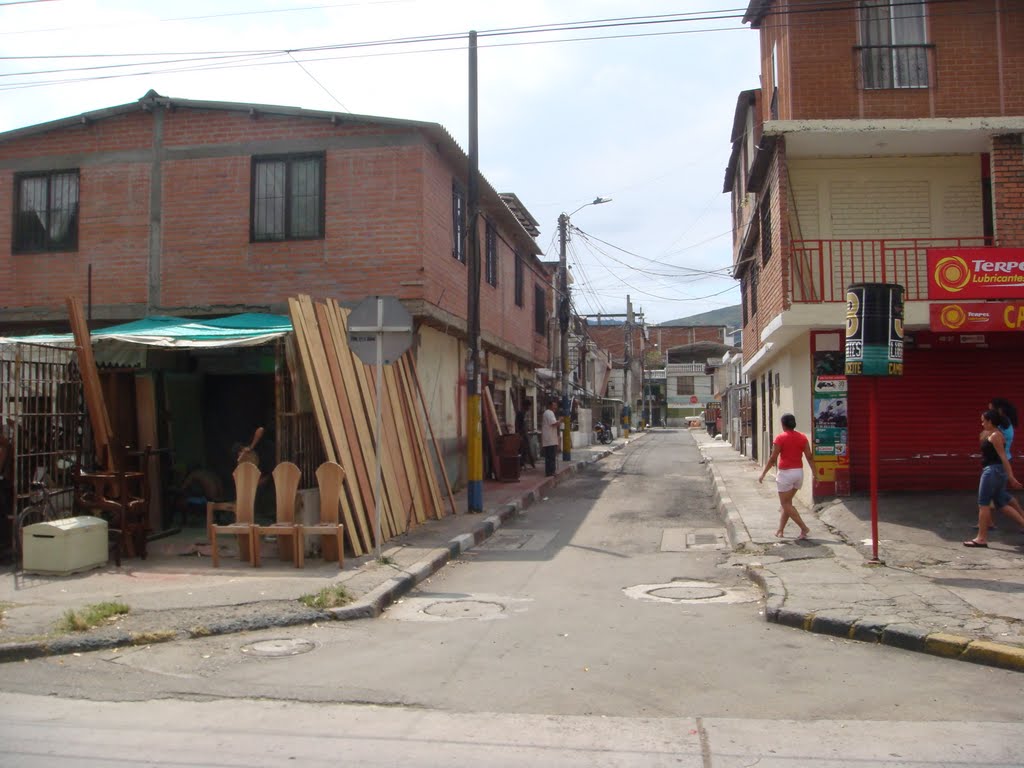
x=976, y=53
x=772, y=293
x=1008, y=189
x=667, y=337
x=388, y=227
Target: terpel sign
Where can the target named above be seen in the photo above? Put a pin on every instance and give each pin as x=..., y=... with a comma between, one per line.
x=975, y=273
x=970, y=317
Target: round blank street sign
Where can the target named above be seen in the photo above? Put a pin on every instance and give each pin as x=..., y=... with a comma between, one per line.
x=384, y=316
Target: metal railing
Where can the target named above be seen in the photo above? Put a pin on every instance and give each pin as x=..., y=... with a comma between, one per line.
x=820, y=270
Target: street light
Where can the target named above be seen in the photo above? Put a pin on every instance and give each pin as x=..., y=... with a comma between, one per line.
x=563, y=322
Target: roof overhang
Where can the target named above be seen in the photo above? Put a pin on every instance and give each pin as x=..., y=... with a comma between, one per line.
x=874, y=138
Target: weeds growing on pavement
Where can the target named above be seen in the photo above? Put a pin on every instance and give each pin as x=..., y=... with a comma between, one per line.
x=328, y=597
x=91, y=615
x=385, y=560
x=159, y=636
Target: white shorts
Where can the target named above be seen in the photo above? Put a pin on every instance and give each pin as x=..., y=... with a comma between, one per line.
x=789, y=480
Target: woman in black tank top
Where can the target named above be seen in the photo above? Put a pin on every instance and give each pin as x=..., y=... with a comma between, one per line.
x=996, y=474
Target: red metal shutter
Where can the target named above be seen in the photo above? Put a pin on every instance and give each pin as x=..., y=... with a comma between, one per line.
x=930, y=418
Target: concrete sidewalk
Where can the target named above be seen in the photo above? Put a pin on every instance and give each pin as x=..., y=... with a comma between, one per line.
x=929, y=594
x=176, y=593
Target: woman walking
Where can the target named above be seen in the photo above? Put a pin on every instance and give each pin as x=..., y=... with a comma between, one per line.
x=788, y=451
x=996, y=474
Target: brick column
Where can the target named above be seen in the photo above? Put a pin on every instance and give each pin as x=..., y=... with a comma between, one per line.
x=1008, y=189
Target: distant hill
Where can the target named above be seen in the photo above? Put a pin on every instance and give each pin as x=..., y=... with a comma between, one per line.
x=730, y=317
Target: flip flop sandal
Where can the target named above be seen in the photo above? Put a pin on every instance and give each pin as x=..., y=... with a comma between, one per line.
x=978, y=544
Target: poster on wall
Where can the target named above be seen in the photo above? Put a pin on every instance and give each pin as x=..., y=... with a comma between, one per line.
x=829, y=402
x=830, y=425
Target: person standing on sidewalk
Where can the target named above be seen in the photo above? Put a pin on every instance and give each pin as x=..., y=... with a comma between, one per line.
x=1008, y=411
x=788, y=451
x=996, y=474
x=549, y=437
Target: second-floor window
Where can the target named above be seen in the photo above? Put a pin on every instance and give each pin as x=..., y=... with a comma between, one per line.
x=46, y=211
x=894, y=50
x=458, y=222
x=540, y=310
x=519, y=280
x=491, y=254
x=685, y=385
x=755, y=278
x=287, y=198
x=766, y=226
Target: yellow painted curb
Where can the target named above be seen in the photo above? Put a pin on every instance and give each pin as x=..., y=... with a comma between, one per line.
x=949, y=646
x=995, y=655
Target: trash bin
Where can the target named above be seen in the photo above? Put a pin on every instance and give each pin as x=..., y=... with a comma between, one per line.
x=62, y=547
x=509, y=462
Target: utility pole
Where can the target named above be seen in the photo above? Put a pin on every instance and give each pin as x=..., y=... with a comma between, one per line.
x=564, y=309
x=474, y=413
x=628, y=377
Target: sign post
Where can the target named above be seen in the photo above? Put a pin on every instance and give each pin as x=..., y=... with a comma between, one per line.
x=874, y=348
x=379, y=332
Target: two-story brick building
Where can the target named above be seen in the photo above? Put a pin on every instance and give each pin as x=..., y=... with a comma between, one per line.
x=885, y=136
x=188, y=208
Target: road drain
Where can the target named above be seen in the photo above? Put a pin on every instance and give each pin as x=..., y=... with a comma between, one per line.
x=281, y=646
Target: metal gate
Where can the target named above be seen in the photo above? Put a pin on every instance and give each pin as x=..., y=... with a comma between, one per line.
x=42, y=413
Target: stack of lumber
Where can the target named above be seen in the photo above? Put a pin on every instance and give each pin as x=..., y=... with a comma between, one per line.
x=99, y=418
x=344, y=397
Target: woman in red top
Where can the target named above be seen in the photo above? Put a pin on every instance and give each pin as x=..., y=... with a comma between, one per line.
x=788, y=451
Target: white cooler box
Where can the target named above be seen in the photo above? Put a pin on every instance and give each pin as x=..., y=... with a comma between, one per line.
x=64, y=546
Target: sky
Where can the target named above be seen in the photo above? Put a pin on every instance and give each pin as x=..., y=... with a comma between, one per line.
x=636, y=105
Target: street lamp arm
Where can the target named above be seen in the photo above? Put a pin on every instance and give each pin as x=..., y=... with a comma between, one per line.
x=596, y=201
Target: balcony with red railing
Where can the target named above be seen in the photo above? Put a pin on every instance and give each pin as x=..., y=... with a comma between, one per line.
x=820, y=270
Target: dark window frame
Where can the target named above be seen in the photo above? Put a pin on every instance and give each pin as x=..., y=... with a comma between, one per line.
x=491, y=254
x=459, y=224
x=690, y=389
x=540, y=310
x=520, y=286
x=765, y=225
x=289, y=160
x=755, y=279
x=20, y=241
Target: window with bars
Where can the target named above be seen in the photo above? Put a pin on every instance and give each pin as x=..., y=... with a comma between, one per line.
x=894, y=46
x=287, y=198
x=491, y=254
x=458, y=222
x=540, y=310
x=46, y=211
x=519, y=280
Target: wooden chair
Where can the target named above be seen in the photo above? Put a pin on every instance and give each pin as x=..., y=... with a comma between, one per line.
x=247, y=477
x=122, y=498
x=286, y=488
x=329, y=477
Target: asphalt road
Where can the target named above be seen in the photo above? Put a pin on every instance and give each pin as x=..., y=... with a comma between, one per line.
x=608, y=625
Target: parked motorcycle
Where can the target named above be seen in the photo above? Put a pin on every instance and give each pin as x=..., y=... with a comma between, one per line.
x=603, y=432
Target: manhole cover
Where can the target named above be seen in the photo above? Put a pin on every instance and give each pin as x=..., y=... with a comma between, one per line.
x=691, y=591
x=687, y=593
x=464, y=609
x=282, y=646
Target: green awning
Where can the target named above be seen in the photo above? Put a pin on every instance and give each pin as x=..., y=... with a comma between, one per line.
x=244, y=330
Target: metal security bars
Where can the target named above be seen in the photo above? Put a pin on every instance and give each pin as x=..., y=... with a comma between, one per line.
x=43, y=415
